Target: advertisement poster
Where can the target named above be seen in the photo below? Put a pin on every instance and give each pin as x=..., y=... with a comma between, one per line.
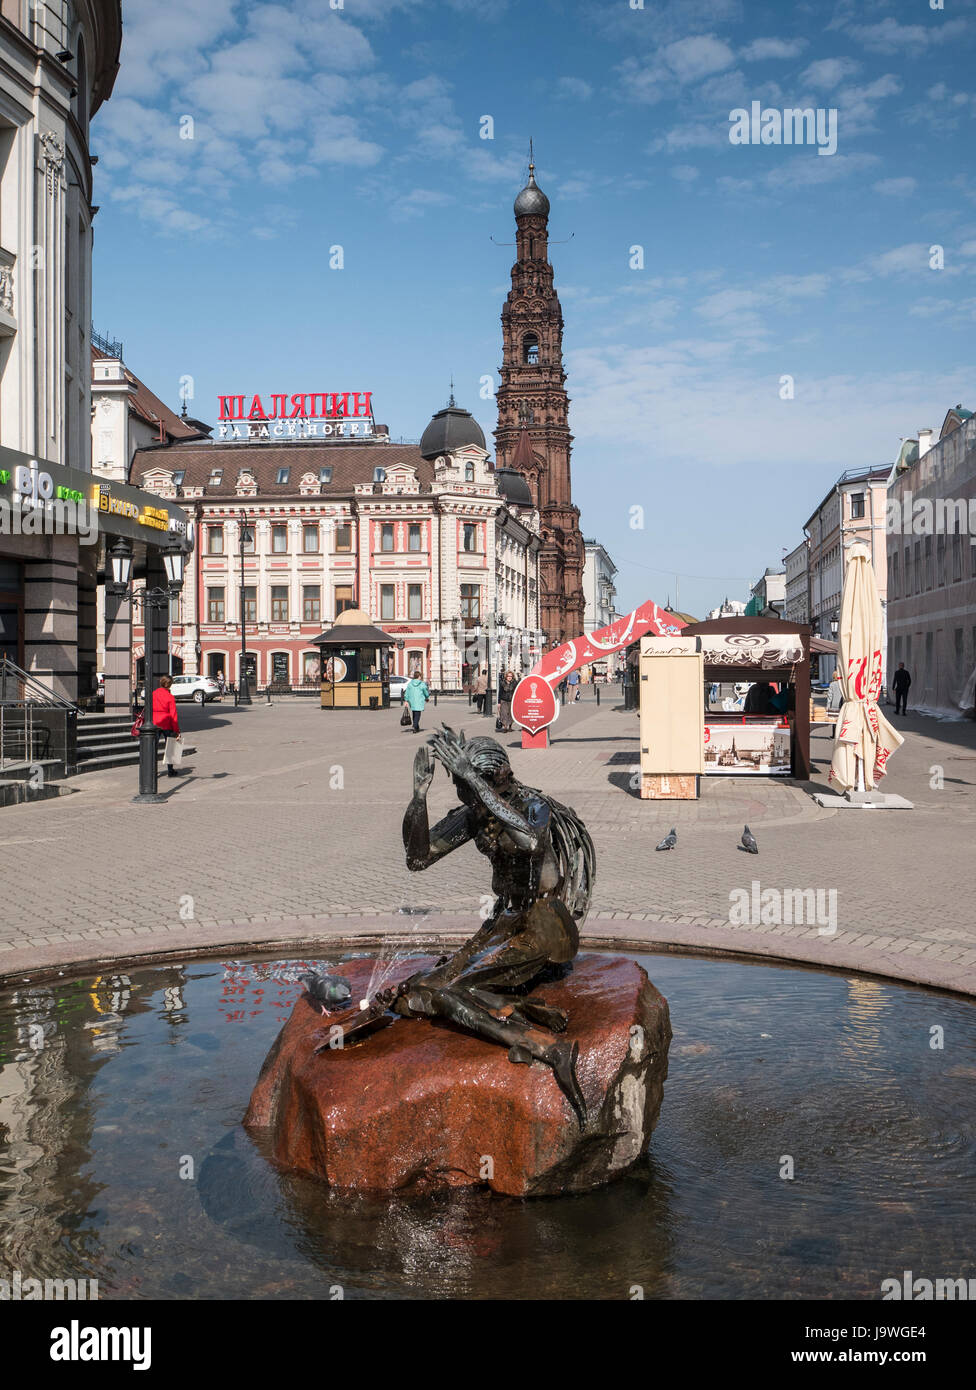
x=761, y=749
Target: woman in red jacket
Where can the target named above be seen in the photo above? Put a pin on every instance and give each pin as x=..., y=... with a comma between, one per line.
x=165, y=717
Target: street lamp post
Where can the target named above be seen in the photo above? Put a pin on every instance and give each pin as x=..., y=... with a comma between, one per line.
x=153, y=601
x=247, y=538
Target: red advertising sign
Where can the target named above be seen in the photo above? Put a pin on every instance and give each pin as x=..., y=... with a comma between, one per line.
x=300, y=405
x=533, y=704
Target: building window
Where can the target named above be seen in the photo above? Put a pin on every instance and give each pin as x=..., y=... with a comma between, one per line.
x=893, y=577
x=956, y=557
x=929, y=574
x=312, y=603
x=413, y=539
x=470, y=536
x=279, y=603
x=279, y=540
x=387, y=602
x=215, y=540
x=471, y=602
x=250, y=604
x=178, y=477
x=310, y=540
x=215, y=605
x=343, y=537
x=325, y=475
x=530, y=349
x=343, y=598
x=386, y=537
x=940, y=559
x=857, y=505
x=215, y=476
x=415, y=602
x=379, y=475
x=469, y=472
x=279, y=668
x=283, y=475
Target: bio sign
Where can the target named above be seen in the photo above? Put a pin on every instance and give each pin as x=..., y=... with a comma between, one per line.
x=299, y=415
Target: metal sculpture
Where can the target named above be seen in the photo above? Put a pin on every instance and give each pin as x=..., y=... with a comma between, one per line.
x=543, y=868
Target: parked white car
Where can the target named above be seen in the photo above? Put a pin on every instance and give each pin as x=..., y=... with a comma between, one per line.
x=398, y=685
x=200, y=689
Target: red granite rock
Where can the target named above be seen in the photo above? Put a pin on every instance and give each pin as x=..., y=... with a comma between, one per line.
x=421, y=1106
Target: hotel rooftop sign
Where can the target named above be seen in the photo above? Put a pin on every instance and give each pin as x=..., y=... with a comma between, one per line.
x=301, y=415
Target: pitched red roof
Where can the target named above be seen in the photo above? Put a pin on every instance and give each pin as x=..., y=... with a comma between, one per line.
x=523, y=456
x=351, y=463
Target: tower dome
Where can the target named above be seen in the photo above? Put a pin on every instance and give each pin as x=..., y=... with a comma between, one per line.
x=532, y=198
x=450, y=428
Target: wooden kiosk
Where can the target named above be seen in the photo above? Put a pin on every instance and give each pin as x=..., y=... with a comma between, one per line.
x=759, y=649
x=355, y=663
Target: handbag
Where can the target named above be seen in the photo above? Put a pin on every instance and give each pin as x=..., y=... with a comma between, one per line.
x=405, y=717
x=137, y=726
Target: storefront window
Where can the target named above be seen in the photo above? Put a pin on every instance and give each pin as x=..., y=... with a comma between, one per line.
x=279, y=668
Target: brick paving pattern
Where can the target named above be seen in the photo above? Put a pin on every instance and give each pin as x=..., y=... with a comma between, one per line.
x=288, y=829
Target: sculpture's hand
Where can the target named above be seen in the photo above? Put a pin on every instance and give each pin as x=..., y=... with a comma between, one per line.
x=449, y=749
x=423, y=770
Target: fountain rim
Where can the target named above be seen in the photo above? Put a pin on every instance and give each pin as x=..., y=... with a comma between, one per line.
x=250, y=941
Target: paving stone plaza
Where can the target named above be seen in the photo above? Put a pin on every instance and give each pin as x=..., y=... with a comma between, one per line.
x=286, y=829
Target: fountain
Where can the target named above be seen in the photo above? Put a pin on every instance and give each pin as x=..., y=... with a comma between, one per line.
x=407, y=1089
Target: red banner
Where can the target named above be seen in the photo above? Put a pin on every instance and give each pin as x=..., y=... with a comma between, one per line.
x=594, y=646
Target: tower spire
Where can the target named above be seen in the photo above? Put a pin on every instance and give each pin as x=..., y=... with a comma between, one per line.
x=452, y=401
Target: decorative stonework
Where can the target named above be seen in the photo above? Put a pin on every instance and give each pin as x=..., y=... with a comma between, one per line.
x=7, y=288
x=52, y=159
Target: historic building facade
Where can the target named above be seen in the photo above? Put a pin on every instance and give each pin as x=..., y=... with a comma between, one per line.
x=58, y=62
x=599, y=590
x=440, y=548
x=931, y=527
x=533, y=435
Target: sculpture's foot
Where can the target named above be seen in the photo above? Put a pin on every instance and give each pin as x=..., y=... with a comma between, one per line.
x=534, y=1011
x=561, y=1057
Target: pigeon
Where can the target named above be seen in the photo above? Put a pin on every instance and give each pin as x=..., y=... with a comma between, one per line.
x=669, y=841
x=749, y=841
x=326, y=989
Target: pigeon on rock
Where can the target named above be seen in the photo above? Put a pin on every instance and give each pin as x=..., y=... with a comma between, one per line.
x=669, y=841
x=326, y=989
x=749, y=841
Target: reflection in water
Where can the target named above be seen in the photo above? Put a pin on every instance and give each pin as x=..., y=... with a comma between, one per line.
x=122, y=1157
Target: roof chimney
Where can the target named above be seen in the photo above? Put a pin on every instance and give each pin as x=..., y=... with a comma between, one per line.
x=924, y=442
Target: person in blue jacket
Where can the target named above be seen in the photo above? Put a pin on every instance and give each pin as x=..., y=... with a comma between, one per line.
x=416, y=694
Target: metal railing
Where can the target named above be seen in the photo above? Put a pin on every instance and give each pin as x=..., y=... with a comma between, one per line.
x=35, y=724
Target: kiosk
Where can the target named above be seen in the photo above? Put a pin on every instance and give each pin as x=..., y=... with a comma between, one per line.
x=355, y=663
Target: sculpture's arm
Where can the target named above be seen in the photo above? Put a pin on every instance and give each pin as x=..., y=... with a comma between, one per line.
x=525, y=831
x=422, y=845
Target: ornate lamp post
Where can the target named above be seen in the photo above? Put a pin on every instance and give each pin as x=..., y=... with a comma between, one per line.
x=153, y=601
x=246, y=539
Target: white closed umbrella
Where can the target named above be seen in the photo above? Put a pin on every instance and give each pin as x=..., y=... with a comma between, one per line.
x=865, y=739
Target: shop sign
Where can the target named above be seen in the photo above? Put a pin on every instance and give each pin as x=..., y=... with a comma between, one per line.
x=301, y=415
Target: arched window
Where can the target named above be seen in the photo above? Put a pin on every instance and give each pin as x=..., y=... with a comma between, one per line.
x=530, y=349
x=469, y=472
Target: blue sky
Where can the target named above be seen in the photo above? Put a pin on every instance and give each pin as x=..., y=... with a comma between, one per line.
x=360, y=126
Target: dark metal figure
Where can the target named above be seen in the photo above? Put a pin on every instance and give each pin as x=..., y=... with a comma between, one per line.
x=543, y=866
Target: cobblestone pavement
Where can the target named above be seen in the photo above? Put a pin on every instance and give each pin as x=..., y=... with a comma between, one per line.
x=287, y=829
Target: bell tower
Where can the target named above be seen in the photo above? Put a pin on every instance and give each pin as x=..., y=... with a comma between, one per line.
x=533, y=413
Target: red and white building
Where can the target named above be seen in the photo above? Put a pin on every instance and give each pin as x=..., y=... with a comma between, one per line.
x=438, y=546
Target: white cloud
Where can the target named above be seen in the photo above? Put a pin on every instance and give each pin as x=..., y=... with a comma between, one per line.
x=896, y=188
x=685, y=173
x=888, y=36
x=693, y=58
x=829, y=72
x=574, y=89
x=761, y=49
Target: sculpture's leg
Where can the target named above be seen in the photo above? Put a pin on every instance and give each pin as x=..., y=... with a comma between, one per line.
x=529, y=1009
x=525, y=1044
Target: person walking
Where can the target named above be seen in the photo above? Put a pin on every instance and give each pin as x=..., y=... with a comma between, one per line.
x=165, y=718
x=506, y=689
x=481, y=689
x=902, y=680
x=416, y=694
x=221, y=683
x=573, y=685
